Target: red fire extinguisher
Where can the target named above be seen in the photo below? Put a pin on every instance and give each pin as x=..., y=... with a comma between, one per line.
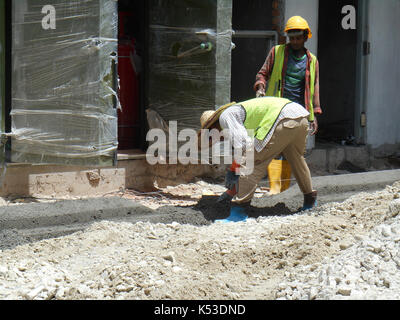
x=128, y=117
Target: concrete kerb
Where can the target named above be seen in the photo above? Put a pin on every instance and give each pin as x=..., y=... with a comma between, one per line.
x=70, y=212
x=337, y=188
x=66, y=212
x=371, y=180
x=45, y=220
x=366, y=181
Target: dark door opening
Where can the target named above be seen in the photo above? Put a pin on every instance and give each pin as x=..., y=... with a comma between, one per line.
x=131, y=70
x=252, y=48
x=337, y=55
x=6, y=78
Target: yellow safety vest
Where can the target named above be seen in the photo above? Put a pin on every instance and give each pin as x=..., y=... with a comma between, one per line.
x=275, y=83
x=262, y=113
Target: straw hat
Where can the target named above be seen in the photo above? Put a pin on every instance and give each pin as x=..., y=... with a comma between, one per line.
x=208, y=118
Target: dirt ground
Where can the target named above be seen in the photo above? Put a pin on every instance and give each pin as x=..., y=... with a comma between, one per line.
x=339, y=250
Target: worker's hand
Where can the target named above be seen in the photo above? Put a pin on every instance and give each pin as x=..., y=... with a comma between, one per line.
x=260, y=93
x=231, y=180
x=314, y=127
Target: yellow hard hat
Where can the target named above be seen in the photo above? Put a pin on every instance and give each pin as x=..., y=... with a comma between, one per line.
x=298, y=23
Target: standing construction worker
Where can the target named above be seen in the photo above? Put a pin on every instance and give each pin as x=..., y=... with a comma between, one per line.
x=292, y=72
x=280, y=127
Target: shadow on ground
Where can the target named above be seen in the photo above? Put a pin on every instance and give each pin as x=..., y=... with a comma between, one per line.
x=212, y=210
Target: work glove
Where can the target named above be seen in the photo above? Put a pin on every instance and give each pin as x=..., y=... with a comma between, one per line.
x=225, y=197
x=231, y=180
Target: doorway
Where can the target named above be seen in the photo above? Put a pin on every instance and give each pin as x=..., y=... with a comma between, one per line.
x=132, y=31
x=6, y=72
x=252, y=46
x=337, y=56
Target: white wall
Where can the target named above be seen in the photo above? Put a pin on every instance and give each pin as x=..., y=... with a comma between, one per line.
x=383, y=92
x=308, y=9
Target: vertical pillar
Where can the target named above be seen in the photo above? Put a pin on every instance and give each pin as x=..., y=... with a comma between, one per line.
x=361, y=71
x=2, y=64
x=278, y=19
x=223, y=52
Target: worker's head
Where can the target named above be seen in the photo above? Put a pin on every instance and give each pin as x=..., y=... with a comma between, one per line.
x=297, y=38
x=298, y=31
x=209, y=120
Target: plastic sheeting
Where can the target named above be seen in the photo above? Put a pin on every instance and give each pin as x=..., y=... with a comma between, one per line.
x=191, y=63
x=190, y=47
x=63, y=101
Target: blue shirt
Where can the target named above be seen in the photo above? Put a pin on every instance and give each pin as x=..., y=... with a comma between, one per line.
x=295, y=78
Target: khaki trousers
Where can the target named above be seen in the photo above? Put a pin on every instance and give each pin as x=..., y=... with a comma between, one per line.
x=288, y=139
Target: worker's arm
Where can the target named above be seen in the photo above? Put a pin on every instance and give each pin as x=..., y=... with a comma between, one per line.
x=264, y=74
x=231, y=183
x=316, y=101
x=232, y=119
x=234, y=167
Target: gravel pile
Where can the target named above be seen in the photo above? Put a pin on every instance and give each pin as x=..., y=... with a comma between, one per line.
x=367, y=270
x=347, y=250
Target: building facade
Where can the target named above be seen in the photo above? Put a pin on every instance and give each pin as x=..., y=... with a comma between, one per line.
x=77, y=77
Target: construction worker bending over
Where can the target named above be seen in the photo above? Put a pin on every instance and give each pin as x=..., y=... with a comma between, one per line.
x=280, y=127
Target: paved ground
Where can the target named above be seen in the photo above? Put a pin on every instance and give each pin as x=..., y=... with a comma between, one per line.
x=55, y=218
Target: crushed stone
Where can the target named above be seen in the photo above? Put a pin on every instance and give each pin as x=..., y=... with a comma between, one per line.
x=341, y=250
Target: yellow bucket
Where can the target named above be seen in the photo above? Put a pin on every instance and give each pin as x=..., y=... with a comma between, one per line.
x=279, y=173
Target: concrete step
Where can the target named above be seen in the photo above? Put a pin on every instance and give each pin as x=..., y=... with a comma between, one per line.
x=336, y=159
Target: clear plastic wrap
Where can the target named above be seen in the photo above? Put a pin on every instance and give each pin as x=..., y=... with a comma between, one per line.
x=63, y=101
x=190, y=50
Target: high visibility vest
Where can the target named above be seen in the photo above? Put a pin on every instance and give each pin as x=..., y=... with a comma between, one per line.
x=262, y=113
x=275, y=83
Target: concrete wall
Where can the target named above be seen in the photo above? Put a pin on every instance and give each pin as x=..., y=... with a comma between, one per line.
x=43, y=181
x=40, y=181
x=308, y=9
x=2, y=65
x=383, y=68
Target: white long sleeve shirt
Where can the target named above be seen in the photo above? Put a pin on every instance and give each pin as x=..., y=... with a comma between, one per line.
x=233, y=119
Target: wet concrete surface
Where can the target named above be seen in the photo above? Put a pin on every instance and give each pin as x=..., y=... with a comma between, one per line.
x=212, y=210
